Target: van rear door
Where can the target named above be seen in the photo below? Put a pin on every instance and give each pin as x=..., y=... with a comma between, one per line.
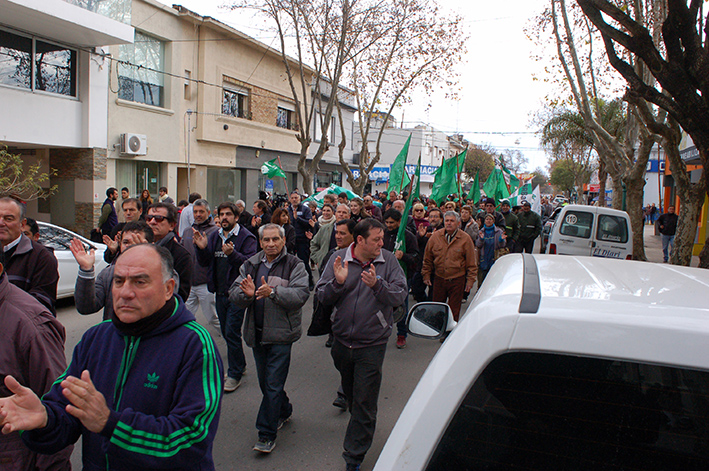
x=613, y=237
x=575, y=229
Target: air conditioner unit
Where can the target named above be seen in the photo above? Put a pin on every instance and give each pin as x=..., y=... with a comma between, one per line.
x=134, y=144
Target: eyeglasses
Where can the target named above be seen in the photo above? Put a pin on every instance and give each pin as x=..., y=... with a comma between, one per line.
x=157, y=217
x=418, y=210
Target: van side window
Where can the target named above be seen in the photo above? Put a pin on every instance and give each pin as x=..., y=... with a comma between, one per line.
x=612, y=229
x=576, y=224
x=549, y=411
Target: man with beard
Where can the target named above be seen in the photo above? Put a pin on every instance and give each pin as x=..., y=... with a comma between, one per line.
x=223, y=252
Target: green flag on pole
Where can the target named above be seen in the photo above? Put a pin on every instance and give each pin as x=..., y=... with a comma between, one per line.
x=495, y=186
x=511, y=180
x=445, y=180
x=398, y=178
x=400, y=243
x=271, y=169
x=475, y=189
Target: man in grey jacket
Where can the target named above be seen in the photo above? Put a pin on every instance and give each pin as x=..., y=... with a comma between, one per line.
x=91, y=292
x=273, y=287
x=364, y=284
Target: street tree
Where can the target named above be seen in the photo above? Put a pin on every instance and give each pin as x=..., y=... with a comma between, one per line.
x=673, y=46
x=480, y=158
x=626, y=159
x=410, y=45
x=323, y=35
x=24, y=182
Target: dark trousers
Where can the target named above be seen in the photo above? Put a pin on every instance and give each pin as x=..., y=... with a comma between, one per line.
x=272, y=363
x=302, y=250
x=361, y=373
x=230, y=320
x=450, y=291
x=527, y=245
x=418, y=288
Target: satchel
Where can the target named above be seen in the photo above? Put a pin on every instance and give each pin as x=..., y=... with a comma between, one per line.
x=501, y=252
x=321, y=323
x=96, y=236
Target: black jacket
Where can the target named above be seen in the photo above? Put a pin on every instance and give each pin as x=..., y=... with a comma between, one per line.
x=33, y=268
x=183, y=263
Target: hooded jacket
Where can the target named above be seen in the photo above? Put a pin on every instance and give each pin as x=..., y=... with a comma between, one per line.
x=282, y=316
x=362, y=316
x=164, y=392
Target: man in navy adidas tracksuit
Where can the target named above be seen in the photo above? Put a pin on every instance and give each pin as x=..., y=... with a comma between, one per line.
x=143, y=390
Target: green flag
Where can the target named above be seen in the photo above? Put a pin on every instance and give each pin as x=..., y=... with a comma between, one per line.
x=475, y=189
x=271, y=169
x=495, y=186
x=445, y=180
x=522, y=194
x=400, y=243
x=398, y=178
x=511, y=180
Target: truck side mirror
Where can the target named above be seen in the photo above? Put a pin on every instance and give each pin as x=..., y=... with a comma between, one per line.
x=430, y=320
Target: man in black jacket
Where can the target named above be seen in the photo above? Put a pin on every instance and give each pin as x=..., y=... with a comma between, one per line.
x=29, y=265
x=162, y=219
x=408, y=258
x=300, y=215
x=667, y=224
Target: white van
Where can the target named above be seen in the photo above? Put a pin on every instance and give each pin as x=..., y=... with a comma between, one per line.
x=563, y=363
x=591, y=231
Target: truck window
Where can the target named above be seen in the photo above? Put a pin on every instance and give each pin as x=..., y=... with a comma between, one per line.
x=576, y=224
x=612, y=229
x=541, y=411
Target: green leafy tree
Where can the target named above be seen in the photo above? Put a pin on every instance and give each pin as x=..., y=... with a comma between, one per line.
x=28, y=183
x=480, y=158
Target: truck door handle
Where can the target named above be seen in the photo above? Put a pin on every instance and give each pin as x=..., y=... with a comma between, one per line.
x=593, y=244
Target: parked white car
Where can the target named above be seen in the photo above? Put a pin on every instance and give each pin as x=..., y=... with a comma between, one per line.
x=564, y=363
x=59, y=240
x=591, y=231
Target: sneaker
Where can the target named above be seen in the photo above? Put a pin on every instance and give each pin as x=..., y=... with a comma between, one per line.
x=352, y=467
x=400, y=341
x=340, y=402
x=231, y=384
x=265, y=446
x=283, y=420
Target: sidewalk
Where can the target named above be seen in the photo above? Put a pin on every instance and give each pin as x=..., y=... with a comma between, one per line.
x=653, y=246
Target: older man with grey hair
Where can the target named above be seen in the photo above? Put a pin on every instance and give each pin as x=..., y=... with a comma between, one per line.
x=244, y=217
x=450, y=263
x=273, y=287
x=199, y=293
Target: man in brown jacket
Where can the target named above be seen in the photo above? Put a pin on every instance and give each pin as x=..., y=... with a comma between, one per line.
x=450, y=263
x=32, y=351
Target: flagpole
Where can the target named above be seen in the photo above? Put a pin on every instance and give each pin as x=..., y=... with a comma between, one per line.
x=460, y=190
x=285, y=181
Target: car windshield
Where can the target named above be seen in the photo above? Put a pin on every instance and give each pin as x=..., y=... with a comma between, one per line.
x=56, y=238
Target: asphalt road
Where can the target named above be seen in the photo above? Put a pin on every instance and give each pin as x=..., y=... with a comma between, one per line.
x=312, y=440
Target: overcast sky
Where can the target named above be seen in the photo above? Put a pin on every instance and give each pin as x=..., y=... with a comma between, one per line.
x=497, y=94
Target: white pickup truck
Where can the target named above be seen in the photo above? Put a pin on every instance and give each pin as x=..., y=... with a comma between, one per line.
x=564, y=363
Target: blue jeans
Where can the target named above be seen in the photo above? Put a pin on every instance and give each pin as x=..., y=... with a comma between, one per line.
x=272, y=363
x=230, y=319
x=667, y=240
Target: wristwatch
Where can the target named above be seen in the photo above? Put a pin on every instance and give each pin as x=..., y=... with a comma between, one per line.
x=272, y=294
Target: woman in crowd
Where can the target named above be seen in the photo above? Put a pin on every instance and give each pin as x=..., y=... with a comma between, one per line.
x=280, y=217
x=490, y=239
x=145, y=200
x=358, y=210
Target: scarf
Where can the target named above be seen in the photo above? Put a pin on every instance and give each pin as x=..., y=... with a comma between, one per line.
x=146, y=324
x=322, y=221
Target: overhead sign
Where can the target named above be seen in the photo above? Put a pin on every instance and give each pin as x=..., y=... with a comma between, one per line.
x=381, y=174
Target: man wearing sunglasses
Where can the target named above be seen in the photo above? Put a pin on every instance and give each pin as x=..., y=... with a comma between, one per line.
x=162, y=219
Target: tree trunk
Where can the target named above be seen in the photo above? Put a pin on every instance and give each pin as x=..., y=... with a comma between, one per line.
x=602, y=178
x=617, y=199
x=689, y=213
x=634, y=200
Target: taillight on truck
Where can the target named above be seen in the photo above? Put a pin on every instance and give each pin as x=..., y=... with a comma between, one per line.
x=552, y=248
